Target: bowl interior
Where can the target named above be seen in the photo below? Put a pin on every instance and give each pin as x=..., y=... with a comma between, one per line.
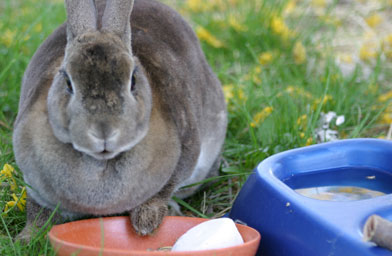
x=342, y=184
x=117, y=235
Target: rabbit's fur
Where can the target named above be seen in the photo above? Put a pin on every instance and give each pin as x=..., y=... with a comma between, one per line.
x=106, y=126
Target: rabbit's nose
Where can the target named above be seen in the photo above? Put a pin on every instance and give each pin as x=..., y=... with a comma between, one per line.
x=103, y=133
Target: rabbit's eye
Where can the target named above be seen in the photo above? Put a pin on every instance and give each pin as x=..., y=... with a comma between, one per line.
x=67, y=81
x=133, y=80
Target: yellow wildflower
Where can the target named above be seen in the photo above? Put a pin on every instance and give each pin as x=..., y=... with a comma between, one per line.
x=322, y=101
x=331, y=20
x=290, y=6
x=233, y=22
x=374, y=20
x=254, y=75
x=206, y=36
x=7, y=172
x=228, y=91
x=388, y=39
x=346, y=58
x=261, y=116
x=326, y=98
x=309, y=141
x=26, y=37
x=296, y=90
x=195, y=5
x=231, y=92
x=279, y=27
x=19, y=202
x=241, y=95
x=374, y=89
x=265, y=58
x=302, y=135
x=319, y=3
x=38, y=28
x=367, y=53
x=299, y=53
x=385, y=97
x=386, y=118
x=203, y=6
x=256, y=79
x=7, y=37
x=302, y=120
x=257, y=70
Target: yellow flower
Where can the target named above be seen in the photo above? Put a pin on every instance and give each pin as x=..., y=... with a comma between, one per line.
x=299, y=53
x=7, y=37
x=385, y=97
x=367, y=53
x=233, y=22
x=265, y=58
x=319, y=3
x=296, y=90
x=386, y=118
x=256, y=79
x=331, y=20
x=257, y=70
x=322, y=101
x=203, y=6
x=196, y=5
x=388, y=39
x=374, y=20
x=346, y=58
x=19, y=202
x=206, y=36
x=261, y=116
x=241, y=95
x=302, y=135
x=254, y=75
x=7, y=172
x=228, y=91
x=279, y=27
x=38, y=28
x=302, y=120
x=231, y=92
x=309, y=141
x=290, y=6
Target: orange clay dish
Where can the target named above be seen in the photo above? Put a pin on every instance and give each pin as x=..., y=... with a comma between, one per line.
x=115, y=236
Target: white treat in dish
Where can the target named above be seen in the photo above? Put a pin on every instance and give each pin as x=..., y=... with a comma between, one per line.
x=211, y=234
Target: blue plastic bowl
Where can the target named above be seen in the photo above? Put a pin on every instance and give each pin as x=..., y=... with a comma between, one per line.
x=292, y=224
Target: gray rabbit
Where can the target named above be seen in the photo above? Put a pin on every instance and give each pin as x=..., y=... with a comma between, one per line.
x=116, y=122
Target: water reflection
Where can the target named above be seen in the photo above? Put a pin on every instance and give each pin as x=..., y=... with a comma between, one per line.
x=339, y=193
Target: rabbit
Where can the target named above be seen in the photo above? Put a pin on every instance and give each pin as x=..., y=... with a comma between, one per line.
x=117, y=112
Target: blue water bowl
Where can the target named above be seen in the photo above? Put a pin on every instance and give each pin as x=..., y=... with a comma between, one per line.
x=311, y=201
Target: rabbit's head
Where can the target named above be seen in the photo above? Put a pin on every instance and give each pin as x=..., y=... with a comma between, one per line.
x=100, y=100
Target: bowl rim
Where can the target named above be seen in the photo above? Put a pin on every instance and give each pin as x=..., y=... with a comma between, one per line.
x=58, y=242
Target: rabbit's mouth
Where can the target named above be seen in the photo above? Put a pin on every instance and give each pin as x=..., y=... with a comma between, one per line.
x=104, y=155
x=99, y=155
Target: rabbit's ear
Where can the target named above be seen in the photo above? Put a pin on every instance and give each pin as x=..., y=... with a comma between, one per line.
x=81, y=17
x=116, y=19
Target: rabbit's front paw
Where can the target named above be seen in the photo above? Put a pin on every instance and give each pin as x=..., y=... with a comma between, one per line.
x=148, y=216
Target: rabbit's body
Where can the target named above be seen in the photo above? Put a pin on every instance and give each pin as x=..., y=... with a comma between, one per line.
x=172, y=138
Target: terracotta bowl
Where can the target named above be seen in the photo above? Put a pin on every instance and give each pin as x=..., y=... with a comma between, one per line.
x=115, y=236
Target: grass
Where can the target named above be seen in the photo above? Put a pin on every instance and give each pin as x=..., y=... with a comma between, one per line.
x=278, y=69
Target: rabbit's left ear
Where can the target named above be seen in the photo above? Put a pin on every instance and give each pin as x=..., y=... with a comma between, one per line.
x=81, y=17
x=116, y=19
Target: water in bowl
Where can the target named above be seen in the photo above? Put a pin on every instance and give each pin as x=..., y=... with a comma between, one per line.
x=341, y=184
x=339, y=193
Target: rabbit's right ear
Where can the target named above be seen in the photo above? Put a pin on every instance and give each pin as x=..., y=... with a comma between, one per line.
x=116, y=19
x=81, y=17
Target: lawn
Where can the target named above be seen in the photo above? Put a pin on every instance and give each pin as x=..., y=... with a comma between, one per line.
x=282, y=65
